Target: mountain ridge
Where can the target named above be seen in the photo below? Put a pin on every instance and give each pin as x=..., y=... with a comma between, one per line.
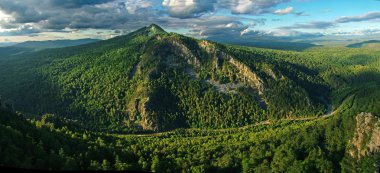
x=162, y=81
x=54, y=43
x=163, y=102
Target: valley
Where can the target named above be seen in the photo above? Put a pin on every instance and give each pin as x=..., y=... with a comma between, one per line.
x=163, y=102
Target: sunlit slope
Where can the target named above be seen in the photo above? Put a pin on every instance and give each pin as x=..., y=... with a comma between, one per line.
x=153, y=80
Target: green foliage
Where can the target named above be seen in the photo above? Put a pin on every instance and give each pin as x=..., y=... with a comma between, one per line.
x=232, y=108
x=153, y=80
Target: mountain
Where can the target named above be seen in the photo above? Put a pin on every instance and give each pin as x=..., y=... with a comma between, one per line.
x=162, y=102
x=153, y=80
x=372, y=44
x=10, y=51
x=267, y=42
x=273, y=44
x=31, y=46
x=53, y=43
x=6, y=44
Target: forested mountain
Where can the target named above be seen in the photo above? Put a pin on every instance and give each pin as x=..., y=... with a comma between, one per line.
x=153, y=80
x=163, y=102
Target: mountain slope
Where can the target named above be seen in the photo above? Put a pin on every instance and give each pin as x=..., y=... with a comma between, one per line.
x=371, y=44
x=31, y=46
x=153, y=80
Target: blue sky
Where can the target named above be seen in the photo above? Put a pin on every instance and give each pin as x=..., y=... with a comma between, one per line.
x=22, y=20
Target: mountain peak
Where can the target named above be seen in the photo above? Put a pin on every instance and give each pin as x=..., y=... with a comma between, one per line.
x=152, y=29
x=155, y=29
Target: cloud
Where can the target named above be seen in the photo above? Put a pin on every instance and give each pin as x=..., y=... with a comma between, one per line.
x=300, y=14
x=360, y=18
x=21, y=12
x=250, y=6
x=311, y=25
x=293, y=34
x=78, y=14
x=188, y=8
x=200, y=18
x=29, y=30
x=74, y=3
x=328, y=24
x=284, y=11
x=125, y=15
x=222, y=28
x=216, y=26
x=138, y=6
x=358, y=32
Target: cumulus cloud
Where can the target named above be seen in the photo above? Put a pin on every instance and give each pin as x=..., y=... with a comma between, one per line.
x=201, y=18
x=216, y=26
x=57, y=15
x=250, y=6
x=188, y=8
x=125, y=15
x=21, y=12
x=138, y=6
x=29, y=30
x=222, y=28
x=284, y=11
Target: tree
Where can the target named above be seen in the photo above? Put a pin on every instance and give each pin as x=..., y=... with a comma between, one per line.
x=156, y=167
x=106, y=165
x=94, y=165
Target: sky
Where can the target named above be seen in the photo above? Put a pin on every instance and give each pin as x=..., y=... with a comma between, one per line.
x=24, y=20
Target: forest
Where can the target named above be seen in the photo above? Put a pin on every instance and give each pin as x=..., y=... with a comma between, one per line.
x=163, y=102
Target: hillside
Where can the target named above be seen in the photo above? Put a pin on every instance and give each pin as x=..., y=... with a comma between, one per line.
x=163, y=102
x=371, y=44
x=153, y=80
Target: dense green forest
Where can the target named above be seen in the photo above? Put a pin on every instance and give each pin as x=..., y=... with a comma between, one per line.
x=163, y=102
x=153, y=80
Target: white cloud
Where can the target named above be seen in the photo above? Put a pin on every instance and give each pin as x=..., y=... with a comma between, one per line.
x=359, y=18
x=250, y=6
x=134, y=5
x=188, y=8
x=243, y=6
x=284, y=11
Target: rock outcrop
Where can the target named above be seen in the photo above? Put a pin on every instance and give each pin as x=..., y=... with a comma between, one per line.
x=367, y=136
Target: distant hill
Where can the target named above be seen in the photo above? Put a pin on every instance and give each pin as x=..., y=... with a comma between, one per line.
x=268, y=43
x=6, y=44
x=9, y=51
x=366, y=44
x=53, y=43
x=279, y=45
x=30, y=46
